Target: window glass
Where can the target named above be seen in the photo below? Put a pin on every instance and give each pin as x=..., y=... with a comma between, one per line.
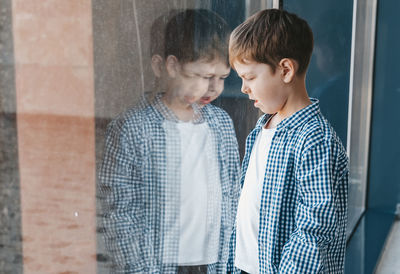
x=84, y=106
x=67, y=70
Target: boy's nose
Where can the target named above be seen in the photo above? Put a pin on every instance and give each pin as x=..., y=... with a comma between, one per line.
x=215, y=85
x=211, y=84
x=244, y=89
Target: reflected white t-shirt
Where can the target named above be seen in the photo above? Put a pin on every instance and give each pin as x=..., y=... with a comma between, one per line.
x=200, y=196
x=248, y=213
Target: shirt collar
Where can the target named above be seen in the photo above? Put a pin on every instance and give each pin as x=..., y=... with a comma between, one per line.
x=296, y=119
x=169, y=115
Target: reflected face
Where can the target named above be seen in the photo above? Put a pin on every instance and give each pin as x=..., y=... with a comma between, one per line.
x=219, y=71
x=262, y=85
x=199, y=82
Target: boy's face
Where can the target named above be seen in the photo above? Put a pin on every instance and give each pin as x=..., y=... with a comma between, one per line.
x=262, y=85
x=216, y=79
x=199, y=81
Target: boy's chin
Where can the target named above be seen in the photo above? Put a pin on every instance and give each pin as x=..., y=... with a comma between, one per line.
x=262, y=109
x=257, y=105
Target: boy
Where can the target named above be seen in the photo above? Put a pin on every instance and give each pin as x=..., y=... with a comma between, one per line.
x=171, y=164
x=293, y=207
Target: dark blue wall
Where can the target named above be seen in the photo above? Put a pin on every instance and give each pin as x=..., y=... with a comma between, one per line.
x=384, y=167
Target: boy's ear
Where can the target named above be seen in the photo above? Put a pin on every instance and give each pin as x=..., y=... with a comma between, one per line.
x=172, y=65
x=157, y=63
x=288, y=68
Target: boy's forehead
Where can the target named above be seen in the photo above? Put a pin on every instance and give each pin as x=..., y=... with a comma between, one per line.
x=206, y=60
x=244, y=66
x=204, y=65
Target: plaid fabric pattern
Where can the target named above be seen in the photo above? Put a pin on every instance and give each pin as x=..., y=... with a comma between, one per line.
x=303, y=211
x=134, y=190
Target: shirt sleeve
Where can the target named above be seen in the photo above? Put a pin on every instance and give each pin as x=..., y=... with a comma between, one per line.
x=316, y=211
x=121, y=200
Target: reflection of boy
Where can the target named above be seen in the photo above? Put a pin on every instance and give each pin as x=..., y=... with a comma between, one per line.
x=169, y=176
x=292, y=211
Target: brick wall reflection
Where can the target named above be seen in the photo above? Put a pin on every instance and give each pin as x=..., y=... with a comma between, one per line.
x=55, y=122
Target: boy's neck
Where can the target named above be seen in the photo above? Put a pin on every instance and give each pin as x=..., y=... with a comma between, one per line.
x=297, y=100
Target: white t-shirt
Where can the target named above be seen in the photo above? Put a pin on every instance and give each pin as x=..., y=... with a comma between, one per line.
x=248, y=214
x=200, y=195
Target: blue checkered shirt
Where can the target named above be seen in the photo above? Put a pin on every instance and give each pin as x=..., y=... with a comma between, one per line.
x=303, y=211
x=134, y=191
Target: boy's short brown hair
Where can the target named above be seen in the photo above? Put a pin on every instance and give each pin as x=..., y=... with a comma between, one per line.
x=157, y=32
x=271, y=35
x=195, y=34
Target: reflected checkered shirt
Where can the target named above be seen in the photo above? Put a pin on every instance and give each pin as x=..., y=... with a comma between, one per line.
x=303, y=211
x=134, y=192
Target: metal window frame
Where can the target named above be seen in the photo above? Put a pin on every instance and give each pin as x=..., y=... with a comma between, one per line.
x=360, y=99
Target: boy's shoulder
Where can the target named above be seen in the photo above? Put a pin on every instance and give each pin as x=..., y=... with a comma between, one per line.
x=316, y=143
x=309, y=129
x=317, y=132
x=134, y=118
x=217, y=115
x=216, y=111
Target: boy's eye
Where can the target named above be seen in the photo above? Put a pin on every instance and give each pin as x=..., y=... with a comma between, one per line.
x=205, y=77
x=189, y=75
x=247, y=77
